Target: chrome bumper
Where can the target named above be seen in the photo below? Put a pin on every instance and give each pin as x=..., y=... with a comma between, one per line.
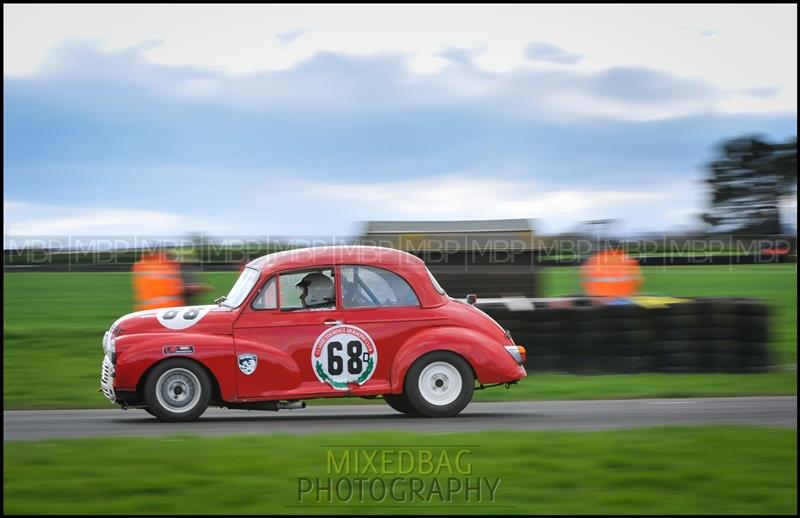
x=107, y=374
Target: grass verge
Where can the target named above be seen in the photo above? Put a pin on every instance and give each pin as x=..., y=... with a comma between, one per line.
x=674, y=470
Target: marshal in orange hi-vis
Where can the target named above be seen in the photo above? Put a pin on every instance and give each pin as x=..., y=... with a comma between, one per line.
x=157, y=282
x=611, y=273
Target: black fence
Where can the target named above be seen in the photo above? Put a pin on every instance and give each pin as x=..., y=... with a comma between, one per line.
x=685, y=260
x=704, y=335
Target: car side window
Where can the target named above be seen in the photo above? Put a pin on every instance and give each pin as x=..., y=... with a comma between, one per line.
x=267, y=298
x=307, y=290
x=370, y=287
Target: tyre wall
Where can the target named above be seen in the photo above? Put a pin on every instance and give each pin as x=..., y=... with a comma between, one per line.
x=702, y=335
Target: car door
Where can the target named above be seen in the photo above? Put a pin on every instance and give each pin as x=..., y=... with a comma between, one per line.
x=385, y=306
x=274, y=337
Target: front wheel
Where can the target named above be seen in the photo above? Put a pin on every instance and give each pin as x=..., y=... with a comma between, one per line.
x=439, y=384
x=177, y=390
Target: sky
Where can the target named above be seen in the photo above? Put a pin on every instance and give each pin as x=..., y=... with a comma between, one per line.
x=305, y=119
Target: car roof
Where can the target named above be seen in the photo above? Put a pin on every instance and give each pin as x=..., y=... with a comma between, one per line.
x=341, y=254
x=408, y=266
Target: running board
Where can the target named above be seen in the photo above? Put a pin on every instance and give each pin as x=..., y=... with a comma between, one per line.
x=270, y=406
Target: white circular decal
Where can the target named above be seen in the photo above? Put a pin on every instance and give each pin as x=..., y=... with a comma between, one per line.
x=343, y=355
x=183, y=317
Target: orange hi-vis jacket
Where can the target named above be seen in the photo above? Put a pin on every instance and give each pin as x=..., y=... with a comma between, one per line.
x=157, y=283
x=611, y=273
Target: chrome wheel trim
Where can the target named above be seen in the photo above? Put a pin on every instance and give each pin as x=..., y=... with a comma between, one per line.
x=178, y=390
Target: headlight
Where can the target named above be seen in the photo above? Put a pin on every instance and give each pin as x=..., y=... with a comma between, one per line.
x=110, y=347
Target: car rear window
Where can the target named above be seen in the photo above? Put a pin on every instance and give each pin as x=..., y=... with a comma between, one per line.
x=435, y=283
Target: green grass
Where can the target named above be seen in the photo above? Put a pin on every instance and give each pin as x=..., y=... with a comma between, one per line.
x=704, y=470
x=53, y=324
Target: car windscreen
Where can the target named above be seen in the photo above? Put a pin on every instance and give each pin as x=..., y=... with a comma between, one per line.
x=243, y=285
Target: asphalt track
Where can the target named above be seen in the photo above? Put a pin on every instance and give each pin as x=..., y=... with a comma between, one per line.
x=528, y=415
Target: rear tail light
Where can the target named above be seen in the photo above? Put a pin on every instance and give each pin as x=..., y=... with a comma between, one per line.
x=517, y=352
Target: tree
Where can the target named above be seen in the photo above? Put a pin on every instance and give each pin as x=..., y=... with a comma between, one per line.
x=747, y=181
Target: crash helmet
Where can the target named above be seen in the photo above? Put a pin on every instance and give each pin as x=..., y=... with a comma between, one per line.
x=317, y=290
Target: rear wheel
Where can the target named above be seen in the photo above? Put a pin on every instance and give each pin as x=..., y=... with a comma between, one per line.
x=400, y=403
x=440, y=384
x=177, y=390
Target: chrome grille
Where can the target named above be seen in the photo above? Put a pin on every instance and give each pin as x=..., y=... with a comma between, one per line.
x=107, y=379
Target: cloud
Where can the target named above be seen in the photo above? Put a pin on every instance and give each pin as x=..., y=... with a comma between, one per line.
x=542, y=51
x=246, y=39
x=642, y=85
x=32, y=219
x=289, y=36
x=336, y=82
x=473, y=197
x=111, y=130
x=461, y=56
x=763, y=92
x=314, y=206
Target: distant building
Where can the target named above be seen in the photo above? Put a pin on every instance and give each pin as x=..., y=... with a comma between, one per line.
x=492, y=258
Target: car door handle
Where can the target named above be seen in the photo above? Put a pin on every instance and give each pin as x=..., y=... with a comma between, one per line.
x=333, y=322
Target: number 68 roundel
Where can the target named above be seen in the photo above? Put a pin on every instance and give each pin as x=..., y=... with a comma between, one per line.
x=343, y=355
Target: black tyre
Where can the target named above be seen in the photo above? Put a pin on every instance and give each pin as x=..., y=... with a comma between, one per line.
x=720, y=333
x=400, y=403
x=554, y=363
x=635, y=364
x=177, y=390
x=729, y=320
x=684, y=321
x=439, y=384
x=539, y=328
x=684, y=334
x=680, y=362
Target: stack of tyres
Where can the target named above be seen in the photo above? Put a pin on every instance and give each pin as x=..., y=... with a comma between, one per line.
x=740, y=334
x=679, y=331
x=701, y=335
x=633, y=349
x=605, y=338
x=559, y=342
x=736, y=335
x=546, y=340
x=658, y=322
x=582, y=354
x=754, y=334
x=721, y=345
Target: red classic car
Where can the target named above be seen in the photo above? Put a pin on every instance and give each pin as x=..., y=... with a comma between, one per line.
x=312, y=323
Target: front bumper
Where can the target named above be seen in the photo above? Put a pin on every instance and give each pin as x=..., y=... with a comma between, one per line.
x=107, y=373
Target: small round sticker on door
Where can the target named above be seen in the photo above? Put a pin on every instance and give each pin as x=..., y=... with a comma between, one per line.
x=343, y=355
